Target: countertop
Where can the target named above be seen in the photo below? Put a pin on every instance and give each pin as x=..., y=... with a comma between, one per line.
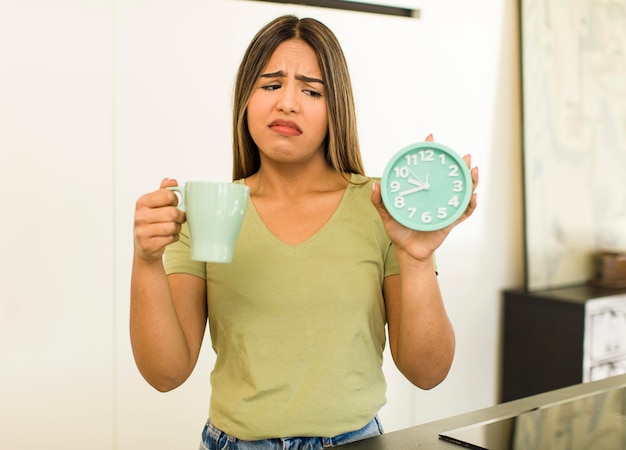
x=426, y=436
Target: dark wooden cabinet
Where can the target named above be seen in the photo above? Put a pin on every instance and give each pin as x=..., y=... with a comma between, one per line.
x=561, y=337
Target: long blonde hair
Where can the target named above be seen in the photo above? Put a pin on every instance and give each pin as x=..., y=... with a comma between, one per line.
x=342, y=144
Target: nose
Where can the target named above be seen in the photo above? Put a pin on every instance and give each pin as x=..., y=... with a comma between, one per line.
x=288, y=99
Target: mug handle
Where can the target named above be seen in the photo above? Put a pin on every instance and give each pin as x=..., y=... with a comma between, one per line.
x=181, y=196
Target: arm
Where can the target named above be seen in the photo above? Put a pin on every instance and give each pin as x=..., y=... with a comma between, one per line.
x=421, y=337
x=167, y=314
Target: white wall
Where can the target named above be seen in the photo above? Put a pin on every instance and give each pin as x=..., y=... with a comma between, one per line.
x=99, y=100
x=56, y=277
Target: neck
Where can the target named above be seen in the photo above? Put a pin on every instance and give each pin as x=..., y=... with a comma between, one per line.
x=271, y=181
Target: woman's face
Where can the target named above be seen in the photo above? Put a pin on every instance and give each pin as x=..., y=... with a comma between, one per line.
x=287, y=114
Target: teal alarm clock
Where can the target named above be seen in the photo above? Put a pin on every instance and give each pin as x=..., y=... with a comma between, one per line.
x=426, y=186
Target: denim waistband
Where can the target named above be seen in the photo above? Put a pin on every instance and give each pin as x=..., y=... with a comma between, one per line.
x=214, y=439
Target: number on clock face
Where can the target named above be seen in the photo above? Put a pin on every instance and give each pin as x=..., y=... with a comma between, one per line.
x=426, y=186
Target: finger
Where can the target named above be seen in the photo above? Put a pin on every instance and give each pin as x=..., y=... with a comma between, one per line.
x=149, y=232
x=157, y=199
x=377, y=201
x=168, y=182
x=468, y=211
x=151, y=240
x=153, y=249
x=174, y=198
x=166, y=214
x=376, y=196
x=475, y=177
x=473, y=170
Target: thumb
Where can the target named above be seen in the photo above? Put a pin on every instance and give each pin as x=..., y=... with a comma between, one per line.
x=377, y=201
x=168, y=182
x=377, y=198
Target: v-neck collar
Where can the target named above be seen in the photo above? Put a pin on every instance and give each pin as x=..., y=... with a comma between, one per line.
x=319, y=233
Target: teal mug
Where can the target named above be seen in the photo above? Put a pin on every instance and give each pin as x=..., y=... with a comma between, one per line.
x=214, y=215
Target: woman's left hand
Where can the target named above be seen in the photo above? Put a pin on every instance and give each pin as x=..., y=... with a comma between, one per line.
x=420, y=245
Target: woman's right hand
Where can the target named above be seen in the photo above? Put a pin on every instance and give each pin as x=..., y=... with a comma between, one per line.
x=157, y=222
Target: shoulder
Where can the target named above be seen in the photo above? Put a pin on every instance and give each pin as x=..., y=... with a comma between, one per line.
x=361, y=185
x=359, y=194
x=362, y=181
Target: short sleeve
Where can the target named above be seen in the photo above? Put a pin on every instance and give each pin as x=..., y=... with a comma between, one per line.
x=177, y=257
x=391, y=262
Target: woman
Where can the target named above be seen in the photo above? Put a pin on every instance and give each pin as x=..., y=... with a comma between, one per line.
x=298, y=318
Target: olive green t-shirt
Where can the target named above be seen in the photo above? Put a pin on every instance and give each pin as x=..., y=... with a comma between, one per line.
x=298, y=331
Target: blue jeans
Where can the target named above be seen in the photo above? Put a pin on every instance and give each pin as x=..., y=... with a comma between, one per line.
x=214, y=439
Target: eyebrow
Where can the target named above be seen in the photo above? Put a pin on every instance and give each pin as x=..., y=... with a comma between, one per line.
x=281, y=74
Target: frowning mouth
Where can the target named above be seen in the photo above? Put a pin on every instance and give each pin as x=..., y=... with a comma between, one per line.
x=285, y=127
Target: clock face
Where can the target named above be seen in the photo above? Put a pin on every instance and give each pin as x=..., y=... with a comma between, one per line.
x=426, y=186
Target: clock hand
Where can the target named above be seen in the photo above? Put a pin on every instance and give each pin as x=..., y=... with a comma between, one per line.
x=410, y=191
x=415, y=182
x=418, y=178
x=426, y=183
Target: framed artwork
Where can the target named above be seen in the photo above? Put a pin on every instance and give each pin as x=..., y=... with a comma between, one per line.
x=573, y=55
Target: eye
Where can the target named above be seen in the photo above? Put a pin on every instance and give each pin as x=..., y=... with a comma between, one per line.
x=271, y=87
x=312, y=93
